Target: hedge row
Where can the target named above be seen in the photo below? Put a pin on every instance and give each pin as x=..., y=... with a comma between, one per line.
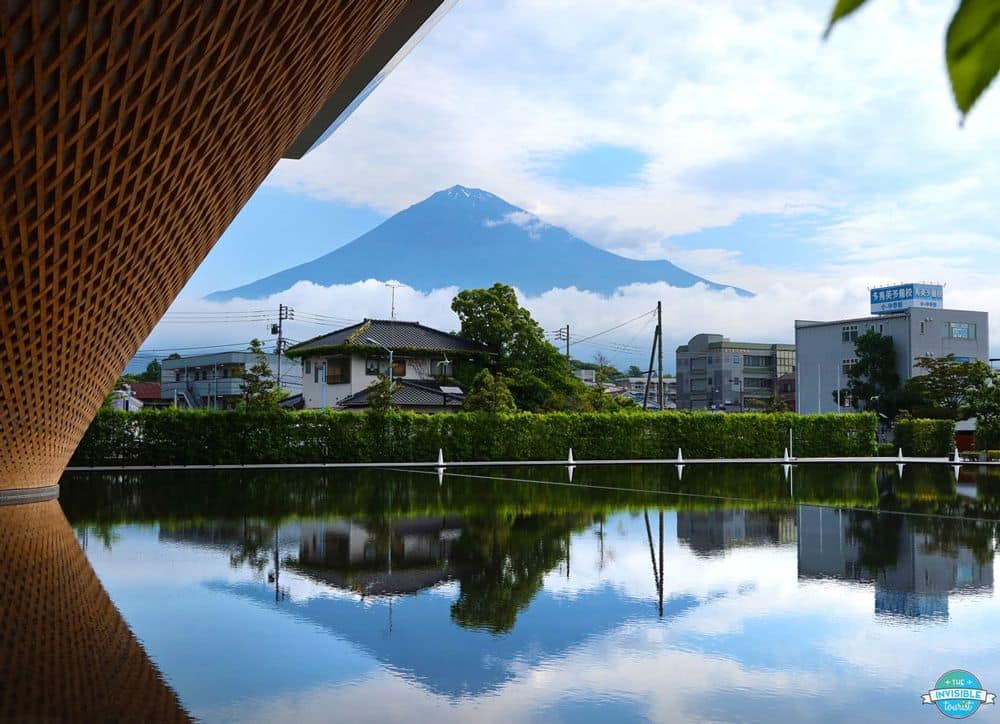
x=925, y=438
x=190, y=437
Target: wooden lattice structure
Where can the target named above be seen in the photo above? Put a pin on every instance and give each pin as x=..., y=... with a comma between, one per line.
x=66, y=654
x=131, y=133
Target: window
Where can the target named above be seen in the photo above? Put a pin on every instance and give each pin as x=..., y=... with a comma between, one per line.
x=380, y=366
x=308, y=369
x=757, y=360
x=443, y=368
x=847, y=364
x=923, y=327
x=737, y=359
x=338, y=370
x=316, y=373
x=849, y=333
x=758, y=383
x=177, y=375
x=710, y=360
x=960, y=330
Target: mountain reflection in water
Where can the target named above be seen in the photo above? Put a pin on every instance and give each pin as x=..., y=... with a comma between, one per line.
x=466, y=591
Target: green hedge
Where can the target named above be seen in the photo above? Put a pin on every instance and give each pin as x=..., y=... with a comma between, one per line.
x=191, y=437
x=925, y=438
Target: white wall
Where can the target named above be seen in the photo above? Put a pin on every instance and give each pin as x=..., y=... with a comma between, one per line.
x=417, y=368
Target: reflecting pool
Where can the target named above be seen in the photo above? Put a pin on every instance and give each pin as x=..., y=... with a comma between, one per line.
x=638, y=593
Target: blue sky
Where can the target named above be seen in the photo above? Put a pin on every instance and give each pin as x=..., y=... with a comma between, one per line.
x=727, y=137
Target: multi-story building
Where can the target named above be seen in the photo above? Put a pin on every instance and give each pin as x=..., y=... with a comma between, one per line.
x=716, y=373
x=216, y=380
x=915, y=320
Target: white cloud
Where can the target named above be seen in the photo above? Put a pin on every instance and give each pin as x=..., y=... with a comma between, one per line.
x=698, y=88
x=768, y=317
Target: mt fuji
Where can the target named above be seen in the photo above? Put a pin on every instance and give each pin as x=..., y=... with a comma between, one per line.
x=471, y=238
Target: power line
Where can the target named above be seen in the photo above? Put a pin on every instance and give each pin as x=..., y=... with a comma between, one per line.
x=617, y=326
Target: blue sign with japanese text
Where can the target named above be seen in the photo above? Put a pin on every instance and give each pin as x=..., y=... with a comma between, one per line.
x=888, y=300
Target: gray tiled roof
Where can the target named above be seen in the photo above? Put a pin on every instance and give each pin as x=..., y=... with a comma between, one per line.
x=392, y=334
x=409, y=393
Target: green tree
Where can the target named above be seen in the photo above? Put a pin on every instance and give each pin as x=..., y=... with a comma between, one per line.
x=152, y=373
x=775, y=404
x=595, y=399
x=490, y=394
x=873, y=375
x=971, y=47
x=948, y=386
x=380, y=395
x=605, y=371
x=259, y=388
x=634, y=371
x=538, y=376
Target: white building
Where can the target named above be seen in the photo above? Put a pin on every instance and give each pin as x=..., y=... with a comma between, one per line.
x=912, y=314
x=123, y=399
x=216, y=380
x=339, y=367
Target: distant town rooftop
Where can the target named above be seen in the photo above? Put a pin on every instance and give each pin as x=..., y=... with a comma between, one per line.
x=375, y=334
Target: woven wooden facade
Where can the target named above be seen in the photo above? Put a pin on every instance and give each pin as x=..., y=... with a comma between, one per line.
x=66, y=654
x=131, y=133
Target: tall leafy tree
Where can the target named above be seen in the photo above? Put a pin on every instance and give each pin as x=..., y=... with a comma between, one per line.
x=380, y=394
x=872, y=382
x=259, y=387
x=490, y=394
x=948, y=386
x=537, y=374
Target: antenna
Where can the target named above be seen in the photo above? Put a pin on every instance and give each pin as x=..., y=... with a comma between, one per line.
x=393, y=286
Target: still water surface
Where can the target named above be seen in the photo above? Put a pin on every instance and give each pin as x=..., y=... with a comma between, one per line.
x=733, y=594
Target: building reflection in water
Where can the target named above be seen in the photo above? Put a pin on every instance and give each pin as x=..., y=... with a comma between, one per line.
x=712, y=533
x=915, y=564
x=412, y=554
x=66, y=654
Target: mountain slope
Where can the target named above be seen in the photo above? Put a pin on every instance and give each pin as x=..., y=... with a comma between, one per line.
x=471, y=238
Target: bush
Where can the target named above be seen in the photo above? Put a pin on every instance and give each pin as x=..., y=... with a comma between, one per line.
x=192, y=437
x=924, y=438
x=987, y=433
x=885, y=449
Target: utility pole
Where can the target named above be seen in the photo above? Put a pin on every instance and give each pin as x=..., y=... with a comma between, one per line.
x=284, y=312
x=657, y=345
x=649, y=368
x=563, y=334
x=659, y=366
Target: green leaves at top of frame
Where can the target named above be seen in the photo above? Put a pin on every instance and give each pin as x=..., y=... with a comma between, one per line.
x=841, y=10
x=972, y=46
x=972, y=50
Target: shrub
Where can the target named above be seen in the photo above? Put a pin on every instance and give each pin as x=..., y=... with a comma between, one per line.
x=885, y=449
x=190, y=437
x=924, y=438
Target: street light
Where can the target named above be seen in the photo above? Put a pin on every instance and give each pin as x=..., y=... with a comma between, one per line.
x=379, y=344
